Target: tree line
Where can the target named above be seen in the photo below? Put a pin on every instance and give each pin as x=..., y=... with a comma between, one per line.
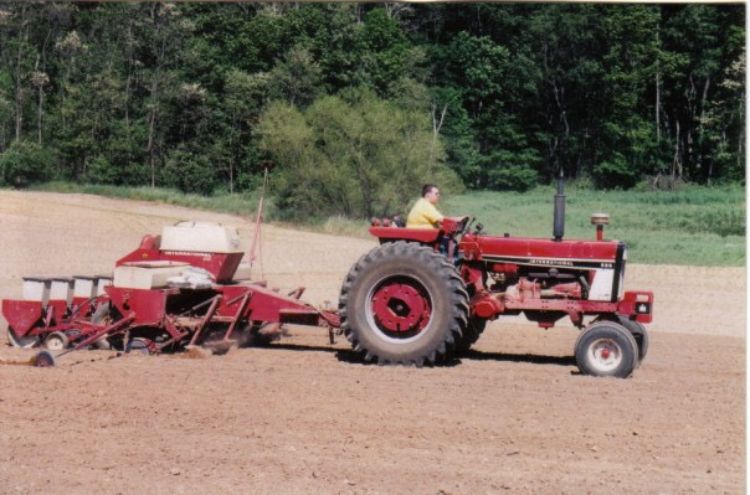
x=357, y=104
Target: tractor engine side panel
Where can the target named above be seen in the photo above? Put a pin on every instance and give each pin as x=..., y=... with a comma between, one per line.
x=603, y=263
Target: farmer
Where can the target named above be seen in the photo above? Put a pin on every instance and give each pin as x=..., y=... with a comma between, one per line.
x=423, y=214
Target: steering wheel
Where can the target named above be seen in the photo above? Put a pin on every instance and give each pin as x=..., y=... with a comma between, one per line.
x=467, y=222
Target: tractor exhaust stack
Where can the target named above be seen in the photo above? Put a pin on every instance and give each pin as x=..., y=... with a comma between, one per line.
x=558, y=229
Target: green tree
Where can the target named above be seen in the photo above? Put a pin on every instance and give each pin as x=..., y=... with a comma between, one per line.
x=245, y=95
x=25, y=163
x=507, y=94
x=297, y=78
x=356, y=155
x=189, y=172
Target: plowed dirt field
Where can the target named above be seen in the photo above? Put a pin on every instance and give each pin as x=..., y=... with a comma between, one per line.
x=303, y=416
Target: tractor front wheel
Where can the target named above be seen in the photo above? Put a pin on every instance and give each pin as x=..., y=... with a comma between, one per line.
x=606, y=349
x=403, y=303
x=640, y=334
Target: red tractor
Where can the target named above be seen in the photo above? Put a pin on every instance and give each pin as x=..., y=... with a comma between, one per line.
x=423, y=295
x=417, y=298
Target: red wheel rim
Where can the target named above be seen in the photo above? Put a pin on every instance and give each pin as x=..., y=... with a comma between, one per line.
x=399, y=307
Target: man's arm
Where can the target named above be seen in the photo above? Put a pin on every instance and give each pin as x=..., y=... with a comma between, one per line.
x=432, y=214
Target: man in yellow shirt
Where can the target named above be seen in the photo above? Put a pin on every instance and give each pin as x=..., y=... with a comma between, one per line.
x=423, y=214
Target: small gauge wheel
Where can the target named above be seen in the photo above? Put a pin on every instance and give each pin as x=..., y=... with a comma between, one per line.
x=56, y=341
x=43, y=359
x=138, y=345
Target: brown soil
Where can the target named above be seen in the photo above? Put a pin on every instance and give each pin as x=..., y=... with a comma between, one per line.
x=302, y=416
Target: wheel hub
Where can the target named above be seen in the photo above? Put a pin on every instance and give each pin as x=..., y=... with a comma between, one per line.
x=605, y=354
x=400, y=306
x=54, y=343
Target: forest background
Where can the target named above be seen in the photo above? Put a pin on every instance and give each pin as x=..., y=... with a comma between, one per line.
x=357, y=105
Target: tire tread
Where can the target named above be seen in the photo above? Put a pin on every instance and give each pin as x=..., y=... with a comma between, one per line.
x=454, y=289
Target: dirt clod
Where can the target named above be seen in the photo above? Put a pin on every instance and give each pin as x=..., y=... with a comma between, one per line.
x=195, y=352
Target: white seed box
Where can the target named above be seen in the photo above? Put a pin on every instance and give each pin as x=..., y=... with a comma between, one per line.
x=146, y=274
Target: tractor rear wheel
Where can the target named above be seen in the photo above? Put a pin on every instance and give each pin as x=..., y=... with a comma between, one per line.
x=606, y=348
x=403, y=303
x=473, y=331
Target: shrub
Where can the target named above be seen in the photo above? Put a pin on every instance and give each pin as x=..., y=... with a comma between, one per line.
x=101, y=171
x=513, y=177
x=25, y=163
x=189, y=172
x=615, y=173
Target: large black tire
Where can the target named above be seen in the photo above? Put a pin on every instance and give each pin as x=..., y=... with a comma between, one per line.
x=403, y=303
x=471, y=334
x=640, y=334
x=606, y=348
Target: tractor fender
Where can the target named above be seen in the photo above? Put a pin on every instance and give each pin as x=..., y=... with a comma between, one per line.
x=392, y=234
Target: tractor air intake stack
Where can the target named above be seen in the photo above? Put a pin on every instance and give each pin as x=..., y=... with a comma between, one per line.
x=559, y=221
